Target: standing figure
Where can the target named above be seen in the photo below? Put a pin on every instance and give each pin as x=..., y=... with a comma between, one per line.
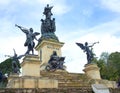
x=47, y=12
x=53, y=27
x=30, y=36
x=15, y=62
x=88, y=49
x=43, y=28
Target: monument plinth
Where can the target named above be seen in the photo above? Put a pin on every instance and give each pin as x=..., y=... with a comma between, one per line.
x=30, y=66
x=92, y=71
x=45, y=49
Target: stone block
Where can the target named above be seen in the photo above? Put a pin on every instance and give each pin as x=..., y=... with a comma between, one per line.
x=100, y=88
x=92, y=71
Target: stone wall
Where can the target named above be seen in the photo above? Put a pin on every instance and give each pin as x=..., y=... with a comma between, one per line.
x=54, y=90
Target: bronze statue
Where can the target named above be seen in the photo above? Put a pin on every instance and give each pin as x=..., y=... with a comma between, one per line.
x=30, y=36
x=48, y=26
x=88, y=49
x=47, y=12
x=15, y=62
x=55, y=62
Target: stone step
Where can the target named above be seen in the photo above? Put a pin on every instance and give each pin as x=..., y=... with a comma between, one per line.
x=53, y=90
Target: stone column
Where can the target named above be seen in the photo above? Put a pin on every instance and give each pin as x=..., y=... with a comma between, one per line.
x=31, y=66
x=92, y=71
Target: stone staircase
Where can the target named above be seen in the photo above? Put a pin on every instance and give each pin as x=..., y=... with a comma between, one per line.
x=68, y=80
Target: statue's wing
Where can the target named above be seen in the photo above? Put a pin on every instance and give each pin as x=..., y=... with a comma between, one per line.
x=81, y=46
x=14, y=52
x=20, y=56
x=36, y=33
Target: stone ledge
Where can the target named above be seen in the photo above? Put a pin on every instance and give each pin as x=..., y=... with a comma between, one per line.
x=53, y=90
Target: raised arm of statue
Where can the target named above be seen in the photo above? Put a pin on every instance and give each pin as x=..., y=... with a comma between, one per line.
x=93, y=44
x=22, y=28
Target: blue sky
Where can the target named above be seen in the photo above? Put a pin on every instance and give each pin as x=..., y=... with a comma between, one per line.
x=76, y=21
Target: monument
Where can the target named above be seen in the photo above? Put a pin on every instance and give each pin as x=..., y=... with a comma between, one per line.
x=47, y=69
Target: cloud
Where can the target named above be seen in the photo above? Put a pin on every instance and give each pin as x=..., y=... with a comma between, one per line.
x=112, y=5
x=4, y=2
x=18, y=11
x=104, y=33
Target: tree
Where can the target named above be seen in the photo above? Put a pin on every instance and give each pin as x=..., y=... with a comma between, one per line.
x=114, y=65
x=109, y=65
x=6, y=66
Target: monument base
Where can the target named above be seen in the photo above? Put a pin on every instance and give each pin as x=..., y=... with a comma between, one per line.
x=30, y=66
x=92, y=71
x=31, y=82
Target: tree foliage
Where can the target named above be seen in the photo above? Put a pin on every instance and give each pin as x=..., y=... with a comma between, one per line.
x=109, y=65
x=6, y=66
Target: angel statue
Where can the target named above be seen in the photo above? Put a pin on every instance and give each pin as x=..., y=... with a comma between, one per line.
x=15, y=62
x=88, y=50
x=30, y=36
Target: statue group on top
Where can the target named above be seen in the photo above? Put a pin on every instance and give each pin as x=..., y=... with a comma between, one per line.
x=48, y=26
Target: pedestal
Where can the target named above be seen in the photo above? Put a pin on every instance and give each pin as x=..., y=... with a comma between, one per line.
x=45, y=49
x=11, y=79
x=92, y=71
x=32, y=82
x=31, y=66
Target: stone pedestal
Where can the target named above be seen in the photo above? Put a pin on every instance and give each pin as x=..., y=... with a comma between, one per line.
x=92, y=71
x=45, y=49
x=30, y=76
x=31, y=66
x=32, y=82
x=11, y=79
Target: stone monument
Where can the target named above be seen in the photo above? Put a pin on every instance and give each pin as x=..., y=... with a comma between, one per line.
x=47, y=70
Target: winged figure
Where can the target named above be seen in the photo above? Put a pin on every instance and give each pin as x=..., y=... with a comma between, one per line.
x=88, y=50
x=15, y=62
x=30, y=36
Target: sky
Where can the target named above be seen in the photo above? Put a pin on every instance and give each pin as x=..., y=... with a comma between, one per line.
x=76, y=21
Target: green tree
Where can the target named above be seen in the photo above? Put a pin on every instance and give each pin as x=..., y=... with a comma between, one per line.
x=109, y=65
x=6, y=66
x=114, y=66
x=102, y=64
